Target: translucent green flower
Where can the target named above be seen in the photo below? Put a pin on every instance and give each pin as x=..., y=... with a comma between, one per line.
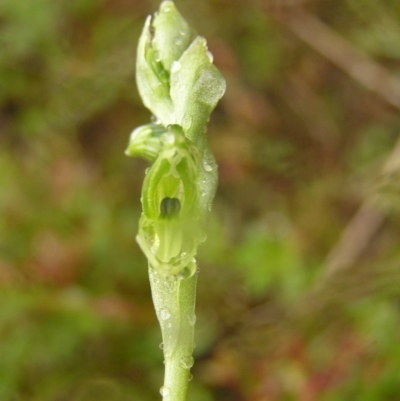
x=179, y=84
x=169, y=229
x=175, y=75
x=145, y=141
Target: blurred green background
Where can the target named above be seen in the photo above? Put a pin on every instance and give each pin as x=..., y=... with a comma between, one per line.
x=299, y=285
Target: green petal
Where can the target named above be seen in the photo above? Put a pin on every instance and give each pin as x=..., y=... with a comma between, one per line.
x=172, y=34
x=196, y=88
x=151, y=78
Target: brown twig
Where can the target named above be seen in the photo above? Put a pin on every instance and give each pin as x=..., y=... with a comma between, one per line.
x=361, y=228
x=340, y=52
x=368, y=219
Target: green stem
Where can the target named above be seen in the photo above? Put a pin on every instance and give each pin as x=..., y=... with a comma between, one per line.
x=174, y=301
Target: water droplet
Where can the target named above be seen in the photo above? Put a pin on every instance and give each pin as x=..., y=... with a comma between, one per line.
x=207, y=167
x=161, y=345
x=164, y=314
x=202, y=41
x=164, y=391
x=210, y=56
x=147, y=170
x=192, y=319
x=203, y=237
x=155, y=120
x=165, y=6
x=187, y=361
x=175, y=66
x=183, y=254
x=190, y=378
x=203, y=193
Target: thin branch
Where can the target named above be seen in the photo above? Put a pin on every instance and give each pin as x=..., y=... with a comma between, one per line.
x=339, y=51
x=354, y=240
x=362, y=227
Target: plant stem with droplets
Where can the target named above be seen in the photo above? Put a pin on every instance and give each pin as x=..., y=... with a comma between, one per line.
x=181, y=86
x=174, y=301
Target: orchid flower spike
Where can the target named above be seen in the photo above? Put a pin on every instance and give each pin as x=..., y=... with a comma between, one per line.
x=180, y=85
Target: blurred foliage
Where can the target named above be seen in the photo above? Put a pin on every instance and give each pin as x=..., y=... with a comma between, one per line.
x=300, y=145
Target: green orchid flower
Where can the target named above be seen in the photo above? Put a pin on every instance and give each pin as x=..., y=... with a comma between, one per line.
x=179, y=84
x=169, y=227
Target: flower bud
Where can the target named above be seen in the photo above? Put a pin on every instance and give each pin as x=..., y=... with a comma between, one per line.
x=145, y=141
x=172, y=34
x=175, y=74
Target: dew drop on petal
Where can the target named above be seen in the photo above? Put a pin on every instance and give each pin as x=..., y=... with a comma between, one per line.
x=207, y=167
x=190, y=378
x=175, y=66
x=202, y=41
x=164, y=314
x=164, y=391
x=165, y=6
x=155, y=120
x=210, y=56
